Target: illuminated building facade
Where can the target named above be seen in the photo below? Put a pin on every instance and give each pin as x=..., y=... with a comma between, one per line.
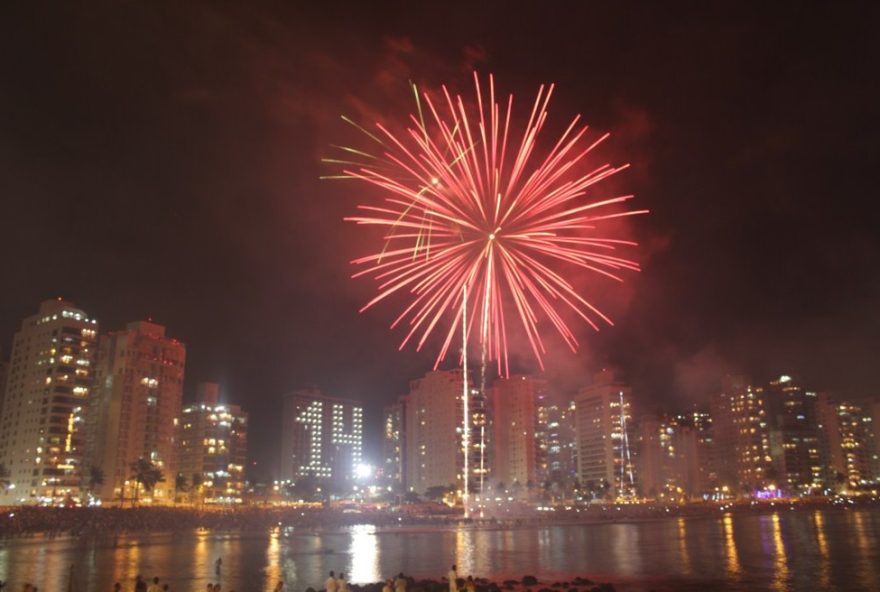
x=393, y=446
x=4, y=373
x=695, y=445
x=46, y=399
x=875, y=426
x=555, y=440
x=433, y=437
x=850, y=431
x=675, y=458
x=513, y=407
x=604, y=431
x=795, y=443
x=654, y=463
x=742, y=435
x=321, y=437
x=213, y=446
x=135, y=409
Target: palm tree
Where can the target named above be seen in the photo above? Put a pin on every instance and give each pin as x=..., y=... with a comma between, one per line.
x=604, y=489
x=181, y=485
x=145, y=473
x=96, y=477
x=196, y=483
x=4, y=477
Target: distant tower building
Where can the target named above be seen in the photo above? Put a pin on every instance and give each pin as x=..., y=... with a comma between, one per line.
x=47, y=391
x=433, y=438
x=742, y=436
x=654, y=435
x=513, y=406
x=4, y=373
x=604, y=433
x=832, y=451
x=321, y=437
x=875, y=426
x=854, y=453
x=393, y=443
x=675, y=456
x=555, y=441
x=695, y=453
x=135, y=409
x=213, y=446
x=795, y=442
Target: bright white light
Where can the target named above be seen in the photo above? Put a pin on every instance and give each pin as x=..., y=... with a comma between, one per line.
x=363, y=471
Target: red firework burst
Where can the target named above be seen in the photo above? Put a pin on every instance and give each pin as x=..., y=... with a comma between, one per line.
x=470, y=209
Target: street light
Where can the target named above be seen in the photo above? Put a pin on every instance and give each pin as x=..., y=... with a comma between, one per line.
x=363, y=471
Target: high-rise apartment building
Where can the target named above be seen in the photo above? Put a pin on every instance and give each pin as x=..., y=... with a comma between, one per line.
x=513, y=407
x=4, y=372
x=605, y=432
x=857, y=459
x=213, y=446
x=555, y=441
x=675, y=456
x=135, y=409
x=742, y=436
x=393, y=434
x=654, y=436
x=321, y=437
x=434, y=418
x=694, y=443
x=795, y=442
x=875, y=426
x=47, y=392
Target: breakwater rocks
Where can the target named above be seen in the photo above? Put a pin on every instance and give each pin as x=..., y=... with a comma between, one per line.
x=525, y=584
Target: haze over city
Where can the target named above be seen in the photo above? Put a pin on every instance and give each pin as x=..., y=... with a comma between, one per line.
x=182, y=179
x=185, y=155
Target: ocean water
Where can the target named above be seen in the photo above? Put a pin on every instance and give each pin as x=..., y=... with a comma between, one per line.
x=782, y=551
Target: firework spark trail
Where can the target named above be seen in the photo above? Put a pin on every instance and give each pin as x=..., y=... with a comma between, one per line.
x=468, y=210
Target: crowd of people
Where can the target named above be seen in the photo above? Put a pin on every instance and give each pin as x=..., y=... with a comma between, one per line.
x=24, y=520
x=399, y=583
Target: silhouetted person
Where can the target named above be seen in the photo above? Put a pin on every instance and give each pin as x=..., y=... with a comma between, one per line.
x=330, y=585
x=452, y=576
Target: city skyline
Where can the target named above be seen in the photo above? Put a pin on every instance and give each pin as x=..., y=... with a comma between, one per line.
x=82, y=408
x=262, y=467
x=188, y=156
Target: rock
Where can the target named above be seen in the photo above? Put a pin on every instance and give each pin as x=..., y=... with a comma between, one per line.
x=606, y=587
x=529, y=581
x=583, y=582
x=510, y=582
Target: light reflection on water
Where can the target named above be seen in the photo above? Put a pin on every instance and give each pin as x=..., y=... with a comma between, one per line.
x=683, y=552
x=730, y=551
x=785, y=551
x=781, y=575
x=364, y=553
x=822, y=545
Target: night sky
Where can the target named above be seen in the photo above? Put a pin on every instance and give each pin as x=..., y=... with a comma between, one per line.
x=162, y=160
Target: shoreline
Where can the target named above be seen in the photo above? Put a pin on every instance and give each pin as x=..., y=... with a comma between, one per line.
x=527, y=583
x=78, y=522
